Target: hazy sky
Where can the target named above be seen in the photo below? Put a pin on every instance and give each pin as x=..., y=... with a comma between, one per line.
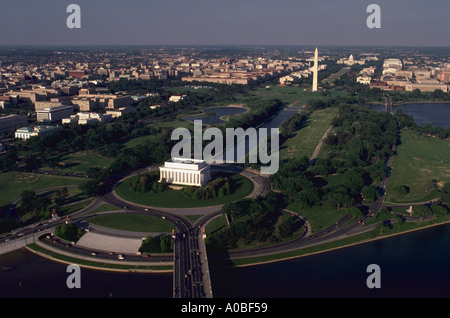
x=295, y=22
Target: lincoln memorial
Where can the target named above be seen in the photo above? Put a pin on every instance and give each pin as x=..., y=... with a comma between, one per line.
x=185, y=172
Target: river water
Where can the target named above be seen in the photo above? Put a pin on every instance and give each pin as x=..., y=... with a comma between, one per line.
x=412, y=265
x=213, y=115
x=436, y=114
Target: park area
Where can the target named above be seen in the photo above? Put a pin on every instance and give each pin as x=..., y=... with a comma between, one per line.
x=305, y=140
x=14, y=183
x=171, y=198
x=420, y=168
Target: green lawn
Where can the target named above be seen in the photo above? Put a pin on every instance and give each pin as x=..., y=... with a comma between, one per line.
x=103, y=208
x=287, y=94
x=133, y=222
x=422, y=164
x=305, y=140
x=336, y=75
x=319, y=217
x=216, y=224
x=139, y=141
x=176, y=199
x=80, y=161
x=13, y=183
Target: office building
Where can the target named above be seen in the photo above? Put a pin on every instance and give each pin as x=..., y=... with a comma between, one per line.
x=40, y=131
x=53, y=114
x=10, y=122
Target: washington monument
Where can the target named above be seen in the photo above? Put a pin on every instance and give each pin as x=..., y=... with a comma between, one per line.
x=315, y=68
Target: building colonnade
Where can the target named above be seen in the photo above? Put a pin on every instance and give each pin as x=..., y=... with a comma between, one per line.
x=185, y=177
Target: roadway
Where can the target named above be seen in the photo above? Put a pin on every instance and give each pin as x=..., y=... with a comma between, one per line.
x=191, y=276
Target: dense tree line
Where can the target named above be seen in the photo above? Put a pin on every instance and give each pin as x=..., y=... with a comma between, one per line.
x=69, y=232
x=219, y=187
x=253, y=221
x=257, y=114
x=292, y=124
x=35, y=204
x=356, y=151
x=362, y=136
x=148, y=183
x=159, y=244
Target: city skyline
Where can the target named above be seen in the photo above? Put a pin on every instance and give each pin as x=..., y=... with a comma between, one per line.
x=199, y=22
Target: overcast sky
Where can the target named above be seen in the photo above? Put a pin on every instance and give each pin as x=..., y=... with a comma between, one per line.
x=293, y=22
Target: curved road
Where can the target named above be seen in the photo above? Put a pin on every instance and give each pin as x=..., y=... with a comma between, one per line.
x=189, y=252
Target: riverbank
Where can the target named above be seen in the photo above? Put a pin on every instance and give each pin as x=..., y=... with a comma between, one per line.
x=410, y=102
x=58, y=256
x=365, y=236
x=320, y=248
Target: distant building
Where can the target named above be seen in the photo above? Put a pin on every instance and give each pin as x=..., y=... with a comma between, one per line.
x=158, y=105
x=364, y=79
x=185, y=172
x=385, y=86
x=120, y=111
x=351, y=61
x=426, y=87
x=53, y=114
x=393, y=63
x=9, y=122
x=176, y=98
x=76, y=74
x=90, y=102
x=84, y=118
x=444, y=76
x=40, y=131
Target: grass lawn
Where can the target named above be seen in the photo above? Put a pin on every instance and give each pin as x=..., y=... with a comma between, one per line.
x=216, y=224
x=422, y=164
x=103, y=208
x=13, y=183
x=139, y=141
x=133, y=222
x=336, y=75
x=176, y=199
x=80, y=161
x=305, y=140
x=319, y=217
x=286, y=94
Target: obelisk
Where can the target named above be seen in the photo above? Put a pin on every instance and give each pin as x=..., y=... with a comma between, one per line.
x=315, y=70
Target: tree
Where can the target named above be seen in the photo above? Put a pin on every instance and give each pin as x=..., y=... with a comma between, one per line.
x=28, y=197
x=369, y=193
x=90, y=188
x=401, y=190
x=446, y=188
x=61, y=196
x=69, y=232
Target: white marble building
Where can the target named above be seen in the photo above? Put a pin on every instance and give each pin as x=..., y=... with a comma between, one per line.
x=185, y=172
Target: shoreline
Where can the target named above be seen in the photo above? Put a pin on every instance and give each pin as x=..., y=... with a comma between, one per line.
x=407, y=103
x=339, y=247
x=98, y=268
x=256, y=263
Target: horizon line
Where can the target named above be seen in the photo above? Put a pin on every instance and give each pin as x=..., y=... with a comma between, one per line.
x=227, y=45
